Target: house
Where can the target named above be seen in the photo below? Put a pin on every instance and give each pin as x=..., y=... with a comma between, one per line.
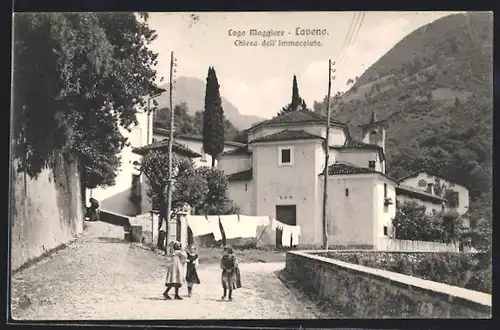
x=280, y=173
x=194, y=142
x=128, y=196
x=408, y=194
x=434, y=192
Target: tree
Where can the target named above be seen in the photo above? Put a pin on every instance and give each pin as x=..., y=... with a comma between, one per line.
x=217, y=200
x=297, y=102
x=88, y=73
x=213, y=118
x=350, y=81
x=411, y=221
x=480, y=217
x=188, y=188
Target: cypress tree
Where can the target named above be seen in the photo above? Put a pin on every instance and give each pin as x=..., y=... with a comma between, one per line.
x=213, y=118
x=297, y=102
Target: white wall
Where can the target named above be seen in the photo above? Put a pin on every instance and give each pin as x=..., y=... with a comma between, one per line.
x=241, y=193
x=350, y=218
x=389, y=244
x=463, y=192
x=235, y=163
x=117, y=198
x=360, y=157
x=384, y=213
x=45, y=212
x=288, y=185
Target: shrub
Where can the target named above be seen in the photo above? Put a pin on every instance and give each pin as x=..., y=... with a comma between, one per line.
x=471, y=271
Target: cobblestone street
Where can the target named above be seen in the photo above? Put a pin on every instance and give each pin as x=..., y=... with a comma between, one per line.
x=102, y=277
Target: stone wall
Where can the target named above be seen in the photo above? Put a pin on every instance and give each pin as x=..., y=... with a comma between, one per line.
x=45, y=212
x=363, y=292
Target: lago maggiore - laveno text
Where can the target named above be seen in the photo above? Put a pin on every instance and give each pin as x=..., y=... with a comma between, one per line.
x=245, y=38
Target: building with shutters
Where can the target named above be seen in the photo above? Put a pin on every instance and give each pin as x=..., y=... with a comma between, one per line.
x=434, y=192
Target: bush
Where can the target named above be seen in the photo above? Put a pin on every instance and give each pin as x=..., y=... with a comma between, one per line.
x=470, y=271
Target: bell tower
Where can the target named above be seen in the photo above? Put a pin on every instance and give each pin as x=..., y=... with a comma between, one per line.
x=374, y=133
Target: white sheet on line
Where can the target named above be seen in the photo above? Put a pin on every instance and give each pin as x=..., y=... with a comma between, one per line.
x=292, y=232
x=231, y=226
x=248, y=226
x=214, y=223
x=199, y=225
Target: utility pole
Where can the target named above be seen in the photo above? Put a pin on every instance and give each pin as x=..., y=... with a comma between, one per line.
x=170, y=143
x=327, y=157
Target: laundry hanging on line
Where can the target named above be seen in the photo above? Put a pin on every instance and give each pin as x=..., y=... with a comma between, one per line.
x=199, y=225
x=248, y=226
x=261, y=220
x=231, y=226
x=214, y=223
x=290, y=235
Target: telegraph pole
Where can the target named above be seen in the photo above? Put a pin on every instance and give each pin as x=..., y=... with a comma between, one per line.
x=327, y=156
x=170, y=143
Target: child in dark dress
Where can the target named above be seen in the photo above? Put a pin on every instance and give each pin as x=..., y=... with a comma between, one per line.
x=192, y=269
x=230, y=273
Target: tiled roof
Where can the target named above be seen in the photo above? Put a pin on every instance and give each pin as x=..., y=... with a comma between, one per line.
x=339, y=168
x=238, y=151
x=246, y=175
x=194, y=137
x=287, y=135
x=299, y=116
x=414, y=174
x=411, y=191
x=353, y=144
x=163, y=146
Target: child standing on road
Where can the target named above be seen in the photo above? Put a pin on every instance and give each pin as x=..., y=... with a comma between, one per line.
x=175, y=271
x=230, y=273
x=192, y=269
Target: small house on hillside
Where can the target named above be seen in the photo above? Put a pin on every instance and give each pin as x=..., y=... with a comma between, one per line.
x=280, y=173
x=434, y=192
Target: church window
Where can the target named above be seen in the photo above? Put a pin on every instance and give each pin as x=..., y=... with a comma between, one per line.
x=285, y=156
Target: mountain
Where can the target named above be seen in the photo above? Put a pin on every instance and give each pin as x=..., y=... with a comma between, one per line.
x=435, y=89
x=191, y=91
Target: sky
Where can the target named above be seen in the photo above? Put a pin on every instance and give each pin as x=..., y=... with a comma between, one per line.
x=258, y=79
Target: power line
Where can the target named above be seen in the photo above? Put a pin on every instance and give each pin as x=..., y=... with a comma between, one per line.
x=352, y=40
x=354, y=19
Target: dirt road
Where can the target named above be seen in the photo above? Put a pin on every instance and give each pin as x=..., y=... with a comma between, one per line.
x=102, y=277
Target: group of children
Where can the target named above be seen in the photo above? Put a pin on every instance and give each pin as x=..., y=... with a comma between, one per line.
x=186, y=262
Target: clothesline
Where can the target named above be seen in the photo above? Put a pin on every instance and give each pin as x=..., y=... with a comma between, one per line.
x=243, y=226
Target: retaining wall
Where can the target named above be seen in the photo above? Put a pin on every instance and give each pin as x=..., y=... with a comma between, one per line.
x=363, y=292
x=45, y=212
